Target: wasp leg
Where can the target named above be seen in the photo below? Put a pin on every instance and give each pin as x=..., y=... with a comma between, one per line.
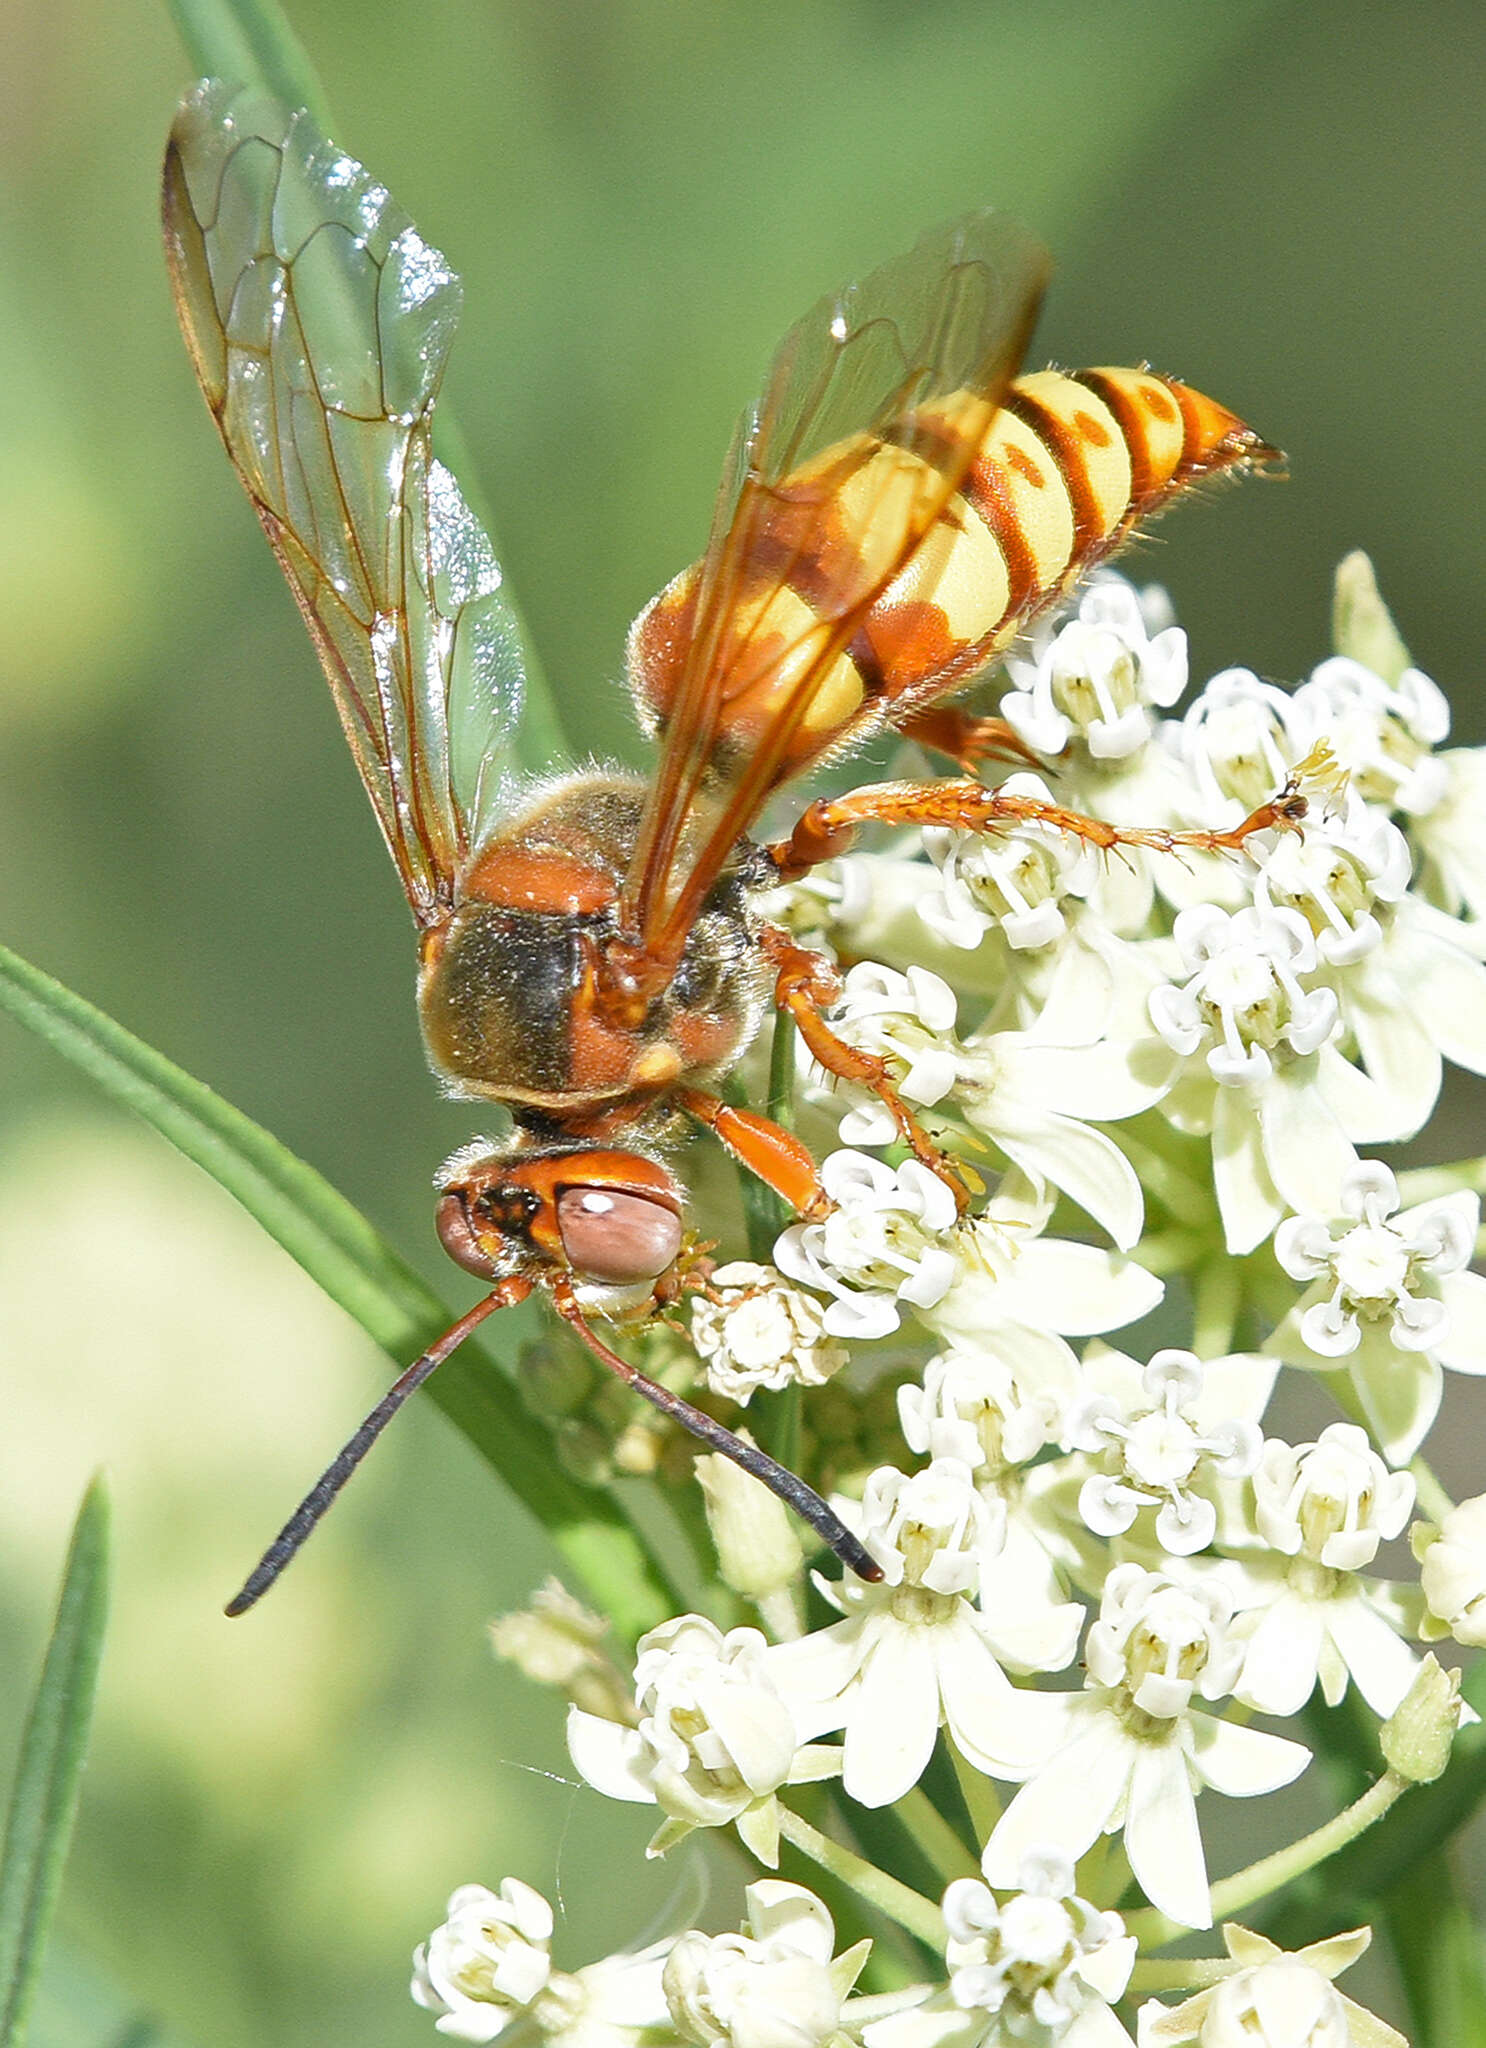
x=828, y=827
x=966, y=740
x=774, y=1154
x=806, y=984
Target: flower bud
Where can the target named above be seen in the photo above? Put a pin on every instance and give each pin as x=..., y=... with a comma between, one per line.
x=758, y=1551
x=554, y=1640
x=1416, y=1738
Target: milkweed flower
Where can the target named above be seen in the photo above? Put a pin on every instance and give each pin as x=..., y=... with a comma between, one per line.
x=488, y=1967
x=752, y=1329
x=775, y=1985
x=1322, y=1510
x=1131, y=1750
x=1276, y=2000
x=1388, y=1297
x=1042, y=1967
x=714, y=1739
x=914, y=1652
x=1452, y=1560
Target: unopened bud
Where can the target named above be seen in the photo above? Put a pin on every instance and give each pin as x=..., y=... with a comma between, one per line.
x=554, y=1640
x=1362, y=626
x=758, y=1552
x=1416, y=1738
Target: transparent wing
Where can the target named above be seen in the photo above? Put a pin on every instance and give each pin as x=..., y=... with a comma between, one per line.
x=915, y=359
x=318, y=321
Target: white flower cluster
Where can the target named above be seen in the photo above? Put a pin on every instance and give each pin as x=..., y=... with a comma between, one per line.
x=1165, y=1065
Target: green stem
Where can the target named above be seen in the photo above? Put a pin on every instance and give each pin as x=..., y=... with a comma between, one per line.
x=1185, y=1973
x=1154, y=1929
x=1433, y=1498
x=936, y=1839
x=978, y=1793
x=1170, y=1251
x=909, y=1908
x=1218, y=1294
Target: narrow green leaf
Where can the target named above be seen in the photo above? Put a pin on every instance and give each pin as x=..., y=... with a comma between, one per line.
x=344, y=1254
x=1438, y=1949
x=44, y=1799
x=250, y=42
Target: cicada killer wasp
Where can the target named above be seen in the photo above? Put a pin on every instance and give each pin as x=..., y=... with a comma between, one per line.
x=898, y=505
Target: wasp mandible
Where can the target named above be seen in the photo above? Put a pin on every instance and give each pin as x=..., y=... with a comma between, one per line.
x=898, y=506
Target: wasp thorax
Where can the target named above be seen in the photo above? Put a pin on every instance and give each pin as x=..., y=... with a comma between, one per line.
x=616, y=1237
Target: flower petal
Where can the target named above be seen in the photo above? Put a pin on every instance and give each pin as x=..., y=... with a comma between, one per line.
x=893, y=1717
x=1161, y=1835
x=1243, y=1761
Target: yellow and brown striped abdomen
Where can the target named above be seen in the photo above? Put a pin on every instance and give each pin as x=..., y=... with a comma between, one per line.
x=1069, y=466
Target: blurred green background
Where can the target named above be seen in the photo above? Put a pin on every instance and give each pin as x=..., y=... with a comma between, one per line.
x=1281, y=202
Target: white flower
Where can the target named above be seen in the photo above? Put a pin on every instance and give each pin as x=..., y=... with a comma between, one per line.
x=773, y=1986
x=1452, y=846
x=884, y=1242
x=487, y=1962
x=1389, y=1294
x=752, y=1329
x=487, y=1967
x=913, y=1651
x=1337, y=874
x=1154, y=1453
x=1242, y=1000
x=1452, y=1560
x=1278, y=2000
x=1323, y=1509
x=1130, y=1751
x=1016, y=1295
x=1237, y=741
x=1096, y=678
x=1026, y=1094
x=1015, y=882
x=715, y=1740
x=982, y=1410
x=1382, y=734
x=1043, y=1968
x=1260, y=1071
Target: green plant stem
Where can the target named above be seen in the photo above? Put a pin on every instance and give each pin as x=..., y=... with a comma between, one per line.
x=936, y=1839
x=978, y=1793
x=1433, y=1498
x=1170, y=1251
x=1218, y=1296
x=909, y=1908
x=1154, y=1929
x=1181, y=1973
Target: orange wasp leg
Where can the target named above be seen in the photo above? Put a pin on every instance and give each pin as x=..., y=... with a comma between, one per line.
x=828, y=827
x=774, y=1155
x=795, y=1494
x=806, y=984
x=965, y=739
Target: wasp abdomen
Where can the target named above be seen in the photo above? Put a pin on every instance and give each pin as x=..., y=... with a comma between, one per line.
x=1069, y=466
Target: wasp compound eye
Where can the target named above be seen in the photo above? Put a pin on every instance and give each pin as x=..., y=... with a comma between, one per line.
x=616, y=1237
x=457, y=1236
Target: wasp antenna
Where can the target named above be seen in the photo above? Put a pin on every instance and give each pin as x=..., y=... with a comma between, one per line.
x=291, y=1537
x=796, y=1495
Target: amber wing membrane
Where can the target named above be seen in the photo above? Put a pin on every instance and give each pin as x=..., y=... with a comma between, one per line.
x=318, y=321
x=863, y=375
